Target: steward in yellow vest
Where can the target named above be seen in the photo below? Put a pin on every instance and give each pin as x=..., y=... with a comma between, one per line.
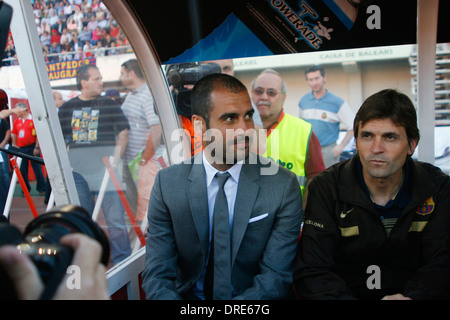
x=287, y=144
x=290, y=140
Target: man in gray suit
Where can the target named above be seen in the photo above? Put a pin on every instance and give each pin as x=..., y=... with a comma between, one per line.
x=264, y=210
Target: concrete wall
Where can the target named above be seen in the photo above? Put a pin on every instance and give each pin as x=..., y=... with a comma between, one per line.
x=353, y=83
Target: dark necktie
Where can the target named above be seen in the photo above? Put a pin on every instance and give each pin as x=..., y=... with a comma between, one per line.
x=218, y=273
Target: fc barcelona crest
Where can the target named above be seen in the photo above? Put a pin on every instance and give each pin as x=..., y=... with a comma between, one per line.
x=426, y=208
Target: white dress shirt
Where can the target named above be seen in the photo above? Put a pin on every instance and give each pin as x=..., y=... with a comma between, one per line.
x=212, y=188
x=230, y=189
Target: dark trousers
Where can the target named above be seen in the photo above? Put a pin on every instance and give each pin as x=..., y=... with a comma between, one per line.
x=4, y=188
x=40, y=181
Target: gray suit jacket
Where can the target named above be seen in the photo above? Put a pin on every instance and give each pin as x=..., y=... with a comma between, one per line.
x=266, y=225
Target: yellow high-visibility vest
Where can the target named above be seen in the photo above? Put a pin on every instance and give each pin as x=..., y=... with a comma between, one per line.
x=287, y=145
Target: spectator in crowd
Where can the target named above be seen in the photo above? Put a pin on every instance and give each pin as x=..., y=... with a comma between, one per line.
x=77, y=17
x=106, y=41
x=95, y=5
x=58, y=99
x=45, y=38
x=87, y=51
x=85, y=35
x=45, y=18
x=45, y=27
x=59, y=26
x=38, y=26
x=53, y=19
x=102, y=21
x=5, y=136
x=99, y=50
x=55, y=37
x=113, y=49
x=291, y=141
x=74, y=26
x=144, y=137
x=46, y=52
x=78, y=55
x=60, y=9
x=92, y=24
x=66, y=46
x=120, y=46
x=37, y=8
x=65, y=55
x=66, y=37
x=87, y=12
x=96, y=125
x=75, y=44
x=114, y=30
x=67, y=9
x=10, y=53
x=96, y=36
x=326, y=112
x=55, y=48
x=24, y=138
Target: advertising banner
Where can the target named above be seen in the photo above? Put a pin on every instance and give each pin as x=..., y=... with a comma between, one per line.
x=66, y=69
x=199, y=30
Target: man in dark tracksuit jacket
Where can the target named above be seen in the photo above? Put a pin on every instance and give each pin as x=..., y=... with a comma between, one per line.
x=351, y=247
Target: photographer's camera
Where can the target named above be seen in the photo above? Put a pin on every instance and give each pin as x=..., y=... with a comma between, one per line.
x=40, y=241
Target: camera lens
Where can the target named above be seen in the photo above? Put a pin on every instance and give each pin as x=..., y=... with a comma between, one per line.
x=41, y=243
x=51, y=226
x=42, y=237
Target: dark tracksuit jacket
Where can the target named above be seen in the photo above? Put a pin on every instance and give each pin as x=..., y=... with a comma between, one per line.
x=343, y=236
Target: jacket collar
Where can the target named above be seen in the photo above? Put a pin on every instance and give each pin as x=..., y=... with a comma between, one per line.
x=350, y=189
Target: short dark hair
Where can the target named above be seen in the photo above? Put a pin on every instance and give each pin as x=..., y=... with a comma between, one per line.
x=21, y=105
x=201, y=93
x=389, y=104
x=314, y=69
x=83, y=73
x=133, y=65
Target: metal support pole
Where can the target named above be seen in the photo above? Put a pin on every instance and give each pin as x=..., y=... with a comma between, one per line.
x=427, y=13
x=43, y=109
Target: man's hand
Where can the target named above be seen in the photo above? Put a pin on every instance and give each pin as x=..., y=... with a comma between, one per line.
x=397, y=296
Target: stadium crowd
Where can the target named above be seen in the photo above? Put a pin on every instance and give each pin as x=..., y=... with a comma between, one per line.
x=73, y=29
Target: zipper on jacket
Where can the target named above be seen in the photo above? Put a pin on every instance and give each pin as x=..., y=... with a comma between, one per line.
x=388, y=236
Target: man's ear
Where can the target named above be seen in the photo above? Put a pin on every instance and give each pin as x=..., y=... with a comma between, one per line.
x=199, y=125
x=412, y=146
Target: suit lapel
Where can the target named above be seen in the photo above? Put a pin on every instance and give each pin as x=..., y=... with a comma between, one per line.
x=243, y=208
x=245, y=201
x=198, y=201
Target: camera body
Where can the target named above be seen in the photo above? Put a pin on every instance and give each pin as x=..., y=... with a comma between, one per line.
x=182, y=77
x=40, y=241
